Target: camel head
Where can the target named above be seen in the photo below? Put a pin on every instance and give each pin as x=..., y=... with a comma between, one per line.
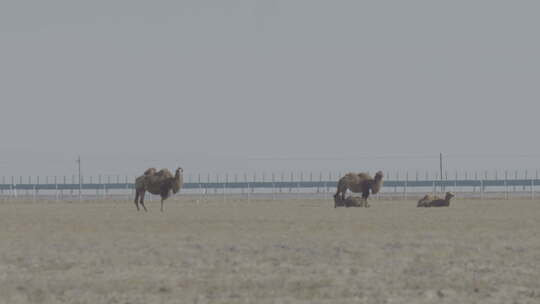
x=377, y=183
x=449, y=195
x=178, y=180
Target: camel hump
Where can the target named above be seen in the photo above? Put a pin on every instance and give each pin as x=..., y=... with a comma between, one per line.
x=150, y=171
x=352, y=176
x=164, y=173
x=363, y=175
x=429, y=197
x=426, y=200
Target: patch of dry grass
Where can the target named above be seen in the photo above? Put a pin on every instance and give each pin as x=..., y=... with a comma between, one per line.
x=296, y=251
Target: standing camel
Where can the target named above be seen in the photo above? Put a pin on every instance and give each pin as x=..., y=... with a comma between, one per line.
x=358, y=182
x=161, y=182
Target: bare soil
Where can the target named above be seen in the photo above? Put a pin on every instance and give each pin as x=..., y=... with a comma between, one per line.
x=285, y=251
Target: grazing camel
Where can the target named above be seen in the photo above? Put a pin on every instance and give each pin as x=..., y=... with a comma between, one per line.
x=358, y=182
x=434, y=201
x=161, y=182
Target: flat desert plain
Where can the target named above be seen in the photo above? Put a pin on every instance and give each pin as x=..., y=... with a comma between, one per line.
x=264, y=251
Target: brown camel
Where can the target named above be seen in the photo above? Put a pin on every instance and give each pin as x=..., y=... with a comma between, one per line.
x=435, y=201
x=350, y=201
x=359, y=182
x=161, y=182
x=424, y=201
x=152, y=171
x=442, y=202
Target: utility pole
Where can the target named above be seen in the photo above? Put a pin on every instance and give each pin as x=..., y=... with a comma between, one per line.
x=440, y=164
x=80, y=182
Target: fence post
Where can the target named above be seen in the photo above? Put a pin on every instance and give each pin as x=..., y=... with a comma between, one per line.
x=207, y=184
x=98, y=186
x=201, y=193
x=526, y=177
x=254, y=181
x=281, y=181
x=13, y=190
x=248, y=193
x=397, y=179
x=515, y=178
x=319, y=183
x=291, y=180
x=443, y=186
x=298, y=185
x=62, y=190
x=273, y=186
x=482, y=189
x=455, y=182
x=107, y=189
x=406, y=183
x=216, y=182
x=56, y=187
x=506, y=185
x=532, y=189
x=127, y=188
x=329, y=179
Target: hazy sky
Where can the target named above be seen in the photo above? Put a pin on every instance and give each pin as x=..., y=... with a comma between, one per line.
x=231, y=85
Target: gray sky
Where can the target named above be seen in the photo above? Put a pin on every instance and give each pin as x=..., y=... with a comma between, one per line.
x=233, y=85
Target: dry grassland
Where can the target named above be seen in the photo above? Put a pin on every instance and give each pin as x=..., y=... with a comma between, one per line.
x=285, y=251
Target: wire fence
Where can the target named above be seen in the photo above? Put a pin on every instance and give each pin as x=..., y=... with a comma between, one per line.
x=275, y=186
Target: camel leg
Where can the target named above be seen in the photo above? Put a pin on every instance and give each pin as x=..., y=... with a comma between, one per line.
x=365, y=195
x=162, y=204
x=136, y=200
x=142, y=201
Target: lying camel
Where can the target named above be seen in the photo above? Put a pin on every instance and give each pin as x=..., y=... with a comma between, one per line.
x=434, y=201
x=350, y=201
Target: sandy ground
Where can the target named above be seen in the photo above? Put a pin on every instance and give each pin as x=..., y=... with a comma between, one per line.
x=285, y=251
